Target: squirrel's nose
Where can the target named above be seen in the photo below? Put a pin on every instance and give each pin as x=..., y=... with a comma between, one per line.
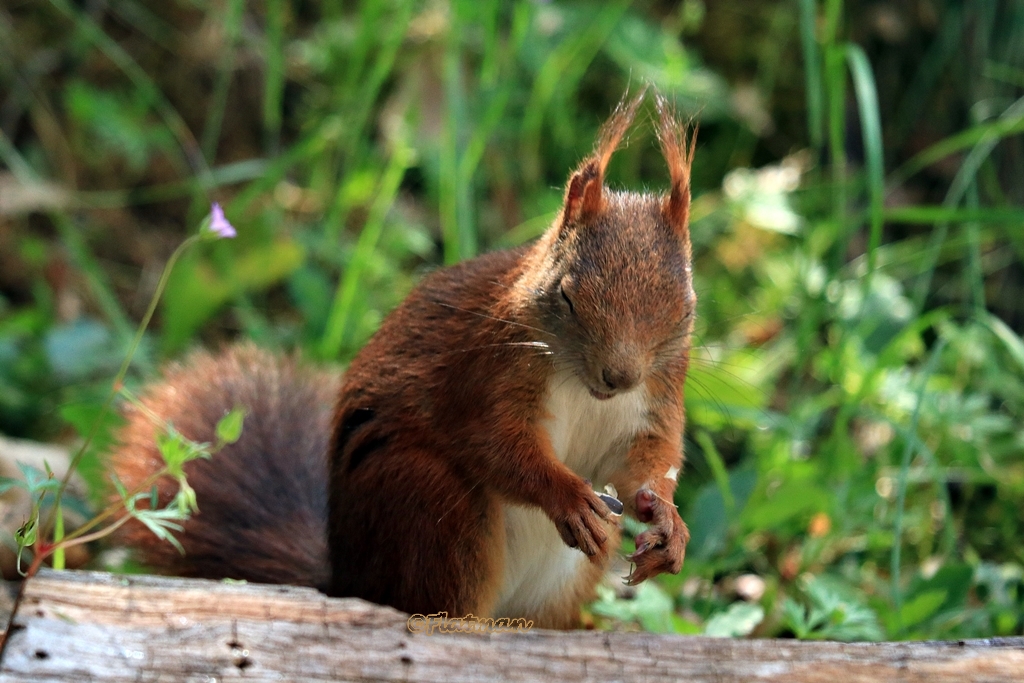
x=620, y=379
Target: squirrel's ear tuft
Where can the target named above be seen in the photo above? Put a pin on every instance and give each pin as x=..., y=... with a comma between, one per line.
x=678, y=143
x=583, y=193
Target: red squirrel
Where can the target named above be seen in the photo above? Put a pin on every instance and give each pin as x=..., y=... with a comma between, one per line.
x=453, y=467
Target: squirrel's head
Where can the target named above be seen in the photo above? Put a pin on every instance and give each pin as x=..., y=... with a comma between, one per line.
x=611, y=280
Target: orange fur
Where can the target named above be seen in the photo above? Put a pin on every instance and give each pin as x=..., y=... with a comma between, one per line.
x=678, y=149
x=262, y=502
x=584, y=195
x=465, y=430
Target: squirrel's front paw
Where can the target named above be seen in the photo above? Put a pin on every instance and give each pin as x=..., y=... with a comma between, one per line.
x=581, y=525
x=662, y=547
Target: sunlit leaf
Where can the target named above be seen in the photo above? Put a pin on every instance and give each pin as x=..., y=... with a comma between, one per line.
x=229, y=427
x=738, y=620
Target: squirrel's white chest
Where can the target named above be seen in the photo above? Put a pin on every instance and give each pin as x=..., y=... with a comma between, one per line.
x=589, y=435
x=592, y=438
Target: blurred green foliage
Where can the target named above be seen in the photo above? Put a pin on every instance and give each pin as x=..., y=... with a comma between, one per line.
x=856, y=395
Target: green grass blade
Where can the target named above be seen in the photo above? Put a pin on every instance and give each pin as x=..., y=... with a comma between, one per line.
x=927, y=214
x=371, y=21
x=454, y=200
x=382, y=66
x=219, y=98
x=1010, y=339
x=919, y=92
x=718, y=468
x=833, y=22
x=559, y=75
x=1005, y=126
x=15, y=162
x=983, y=147
x=148, y=23
x=1004, y=72
x=901, y=482
x=835, y=74
x=273, y=88
x=312, y=145
x=871, y=130
x=353, y=146
x=341, y=310
x=812, y=71
x=227, y=174
x=974, y=272
x=527, y=230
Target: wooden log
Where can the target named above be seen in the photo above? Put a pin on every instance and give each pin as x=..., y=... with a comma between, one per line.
x=86, y=626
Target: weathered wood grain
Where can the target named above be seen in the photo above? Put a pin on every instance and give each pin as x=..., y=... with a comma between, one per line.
x=83, y=626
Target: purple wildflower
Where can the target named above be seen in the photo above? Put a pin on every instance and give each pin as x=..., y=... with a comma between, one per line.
x=219, y=225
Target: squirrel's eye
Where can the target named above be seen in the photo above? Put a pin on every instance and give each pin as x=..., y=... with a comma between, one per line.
x=568, y=301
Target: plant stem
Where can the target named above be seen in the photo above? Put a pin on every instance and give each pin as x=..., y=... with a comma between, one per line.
x=901, y=484
x=116, y=507
x=119, y=379
x=58, y=536
x=96, y=535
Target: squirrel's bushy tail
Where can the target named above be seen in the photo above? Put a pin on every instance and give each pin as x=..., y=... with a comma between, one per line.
x=263, y=500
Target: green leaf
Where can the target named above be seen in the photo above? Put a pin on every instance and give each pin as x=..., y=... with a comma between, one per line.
x=739, y=620
x=794, y=616
x=229, y=428
x=954, y=579
x=708, y=518
x=119, y=486
x=116, y=124
x=162, y=523
x=921, y=607
x=812, y=71
x=82, y=349
x=185, y=501
x=176, y=450
x=36, y=481
x=791, y=499
x=685, y=626
x=171, y=445
x=833, y=612
x=28, y=533
x=651, y=606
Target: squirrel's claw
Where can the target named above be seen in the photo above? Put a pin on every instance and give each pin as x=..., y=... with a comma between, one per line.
x=662, y=547
x=583, y=527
